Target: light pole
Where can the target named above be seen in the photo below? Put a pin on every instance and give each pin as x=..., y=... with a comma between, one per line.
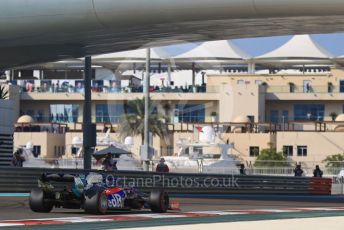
x=89, y=130
x=146, y=119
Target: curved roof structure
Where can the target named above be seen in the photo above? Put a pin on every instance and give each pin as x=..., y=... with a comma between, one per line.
x=340, y=117
x=241, y=119
x=81, y=28
x=298, y=47
x=214, y=50
x=25, y=119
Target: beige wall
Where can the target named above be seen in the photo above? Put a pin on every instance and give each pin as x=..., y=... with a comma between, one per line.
x=319, y=144
x=243, y=141
x=243, y=99
x=279, y=83
x=48, y=142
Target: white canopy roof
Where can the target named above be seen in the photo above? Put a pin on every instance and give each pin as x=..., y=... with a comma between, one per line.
x=139, y=54
x=222, y=49
x=298, y=47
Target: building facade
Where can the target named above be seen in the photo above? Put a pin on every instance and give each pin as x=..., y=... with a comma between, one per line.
x=299, y=114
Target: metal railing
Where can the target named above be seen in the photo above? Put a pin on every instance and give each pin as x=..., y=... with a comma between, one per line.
x=304, y=89
x=108, y=89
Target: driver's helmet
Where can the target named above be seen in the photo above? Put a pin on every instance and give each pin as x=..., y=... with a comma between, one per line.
x=94, y=178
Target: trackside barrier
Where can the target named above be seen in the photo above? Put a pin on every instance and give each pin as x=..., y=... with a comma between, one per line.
x=24, y=179
x=319, y=186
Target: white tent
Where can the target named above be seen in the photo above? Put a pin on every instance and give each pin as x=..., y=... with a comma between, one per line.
x=299, y=47
x=213, y=53
x=136, y=55
x=215, y=50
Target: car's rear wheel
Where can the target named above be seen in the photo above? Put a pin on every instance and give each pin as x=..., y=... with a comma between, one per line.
x=159, y=201
x=97, y=203
x=38, y=201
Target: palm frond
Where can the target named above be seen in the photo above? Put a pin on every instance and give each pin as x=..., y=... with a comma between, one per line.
x=3, y=93
x=133, y=124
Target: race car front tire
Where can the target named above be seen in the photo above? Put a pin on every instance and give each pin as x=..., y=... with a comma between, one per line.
x=37, y=201
x=97, y=203
x=159, y=201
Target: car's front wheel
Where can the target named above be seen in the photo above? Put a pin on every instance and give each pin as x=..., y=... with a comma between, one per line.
x=38, y=201
x=159, y=201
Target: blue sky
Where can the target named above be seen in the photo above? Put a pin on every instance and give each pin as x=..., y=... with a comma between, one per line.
x=257, y=46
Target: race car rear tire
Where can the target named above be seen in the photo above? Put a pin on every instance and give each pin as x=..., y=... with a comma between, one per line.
x=159, y=201
x=96, y=204
x=37, y=201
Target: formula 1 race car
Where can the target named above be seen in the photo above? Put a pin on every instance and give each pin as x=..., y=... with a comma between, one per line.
x=95, y=193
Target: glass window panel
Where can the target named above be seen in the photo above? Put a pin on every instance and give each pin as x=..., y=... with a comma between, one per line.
x=312, y=112
x=191, y=113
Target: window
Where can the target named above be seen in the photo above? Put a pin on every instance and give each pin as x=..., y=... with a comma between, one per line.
x=251, y=117
x=341, y=86
x=191, y=113
x=36, y=150
x=307, y=88
x=241, y=82
x=258, y=82
x=274, y=116
x=288, y=150
x=313, y=112
x=64, y=113
x=254, y=151
x=302, y=151
x=74, y=150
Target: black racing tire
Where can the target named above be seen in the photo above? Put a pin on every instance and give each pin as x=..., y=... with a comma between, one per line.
x=97, y=203
x=159, y=201
x=37, y=201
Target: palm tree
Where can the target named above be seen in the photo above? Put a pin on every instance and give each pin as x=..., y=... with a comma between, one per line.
x=3, y=93
x=334, y=161
x=132, y=123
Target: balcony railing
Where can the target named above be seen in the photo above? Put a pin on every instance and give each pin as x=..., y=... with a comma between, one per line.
x=41, y=88
x=305, y=89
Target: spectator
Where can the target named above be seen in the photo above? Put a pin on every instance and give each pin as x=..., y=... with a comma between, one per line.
x=317, y=171
x=53, y=87
x=108, y=163
x=298, y=171
x=162, y=167
x=242, y=169
x=18, y=158
x=308, y=88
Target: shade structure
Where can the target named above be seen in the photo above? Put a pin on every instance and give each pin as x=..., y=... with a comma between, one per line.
x=214, y=51
x=113, y=150
x=300, y=49
x=139, y=54
x=134, y=59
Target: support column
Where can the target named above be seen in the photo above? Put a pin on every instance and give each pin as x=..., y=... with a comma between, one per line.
x=89, y=131
x=169, y=74
x=193, y=74
x=251, y=67
x=146, y=118
x=12, y=75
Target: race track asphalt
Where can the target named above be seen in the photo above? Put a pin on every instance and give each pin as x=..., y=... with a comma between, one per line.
x=14, y=208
